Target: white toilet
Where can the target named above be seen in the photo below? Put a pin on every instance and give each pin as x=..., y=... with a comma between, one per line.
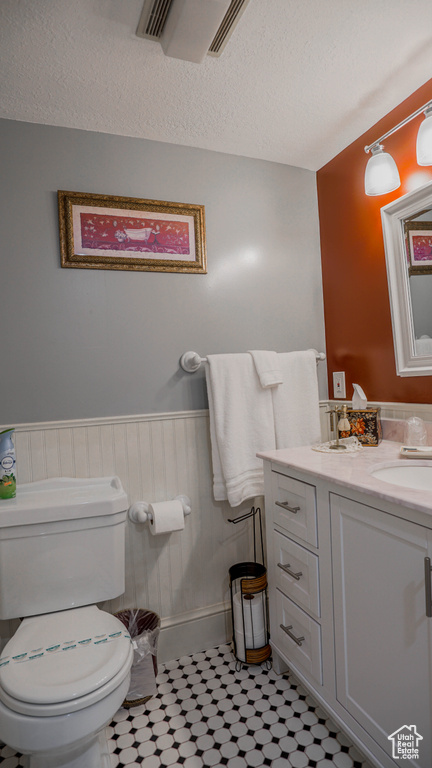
x=66, y=671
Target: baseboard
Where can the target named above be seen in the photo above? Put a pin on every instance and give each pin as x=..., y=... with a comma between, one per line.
x=193, y=632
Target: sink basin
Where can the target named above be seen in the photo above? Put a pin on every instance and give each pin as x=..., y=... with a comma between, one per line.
x=416, y=474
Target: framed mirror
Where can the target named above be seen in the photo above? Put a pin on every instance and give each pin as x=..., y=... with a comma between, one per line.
x=407, y=231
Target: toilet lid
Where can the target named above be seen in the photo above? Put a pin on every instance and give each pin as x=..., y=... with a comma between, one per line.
x=62, y=656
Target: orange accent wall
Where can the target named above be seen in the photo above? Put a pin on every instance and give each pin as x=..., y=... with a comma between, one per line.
x=359, y=335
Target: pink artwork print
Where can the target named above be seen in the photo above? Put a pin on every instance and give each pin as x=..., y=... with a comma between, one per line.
x=107, y=232
x=421, y=245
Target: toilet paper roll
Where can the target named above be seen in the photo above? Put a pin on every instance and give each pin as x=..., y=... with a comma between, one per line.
x=253, y=613
x=166, y=516
x=254, y=627
x=256, y=642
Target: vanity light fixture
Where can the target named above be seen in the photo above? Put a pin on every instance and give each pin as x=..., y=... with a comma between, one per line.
x=424, y=139
x=381, y=174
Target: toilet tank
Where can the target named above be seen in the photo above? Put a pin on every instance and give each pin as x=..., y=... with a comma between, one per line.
x=62, y=545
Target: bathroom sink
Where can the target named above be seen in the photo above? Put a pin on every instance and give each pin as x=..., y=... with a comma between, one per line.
x=416, y=474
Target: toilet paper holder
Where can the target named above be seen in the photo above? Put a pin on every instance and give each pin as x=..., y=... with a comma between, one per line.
x=139, y=511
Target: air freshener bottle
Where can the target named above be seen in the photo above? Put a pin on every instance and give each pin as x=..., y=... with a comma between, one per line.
x=7, y=465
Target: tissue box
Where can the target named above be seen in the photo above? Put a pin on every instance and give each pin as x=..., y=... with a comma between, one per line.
x=366, y=425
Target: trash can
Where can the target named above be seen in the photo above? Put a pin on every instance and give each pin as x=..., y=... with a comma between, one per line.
x=143, y=627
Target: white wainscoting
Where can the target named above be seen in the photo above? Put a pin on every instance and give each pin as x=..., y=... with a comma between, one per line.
x=183, y=577
x=398, y=411
x=391, y=414
x=402, y=411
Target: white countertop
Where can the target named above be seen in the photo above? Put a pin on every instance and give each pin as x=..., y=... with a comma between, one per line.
x=352, y=470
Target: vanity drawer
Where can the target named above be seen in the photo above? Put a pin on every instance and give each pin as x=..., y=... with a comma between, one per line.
x=294, y=507
x=296, y=572
x=306, y=652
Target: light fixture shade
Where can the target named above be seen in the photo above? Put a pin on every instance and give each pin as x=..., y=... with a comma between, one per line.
x=424, y=140
x=381, y=174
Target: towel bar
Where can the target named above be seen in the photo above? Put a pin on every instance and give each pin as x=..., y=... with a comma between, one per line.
x=191, y=361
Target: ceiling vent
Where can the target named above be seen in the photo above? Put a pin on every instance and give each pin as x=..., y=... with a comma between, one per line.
x=190, y=29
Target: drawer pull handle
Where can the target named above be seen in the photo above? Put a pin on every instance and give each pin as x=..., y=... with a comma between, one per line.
x=297, y=640
x=286, y=506
x=286, y=568
x=428, y=586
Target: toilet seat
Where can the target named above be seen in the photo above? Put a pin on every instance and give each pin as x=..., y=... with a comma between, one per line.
x=70, y=660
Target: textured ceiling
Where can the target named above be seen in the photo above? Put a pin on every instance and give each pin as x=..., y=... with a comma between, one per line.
x=298, y=81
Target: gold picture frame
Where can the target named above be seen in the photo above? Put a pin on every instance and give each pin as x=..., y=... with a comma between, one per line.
x=127, y=233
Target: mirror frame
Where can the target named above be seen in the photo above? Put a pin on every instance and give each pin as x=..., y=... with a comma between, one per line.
x=392, y=216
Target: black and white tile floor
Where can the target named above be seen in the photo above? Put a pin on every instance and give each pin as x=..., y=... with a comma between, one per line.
x=208, y=714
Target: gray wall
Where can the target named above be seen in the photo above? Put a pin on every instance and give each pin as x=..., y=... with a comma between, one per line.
x=87, y=343
x=421, y=292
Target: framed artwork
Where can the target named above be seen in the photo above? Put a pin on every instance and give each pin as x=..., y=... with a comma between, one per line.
x=106, y=232
x=419, y=247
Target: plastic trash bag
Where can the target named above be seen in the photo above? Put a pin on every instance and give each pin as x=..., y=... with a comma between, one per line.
x=143, y=627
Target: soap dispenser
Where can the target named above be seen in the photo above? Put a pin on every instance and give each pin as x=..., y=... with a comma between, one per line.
x=344, y=426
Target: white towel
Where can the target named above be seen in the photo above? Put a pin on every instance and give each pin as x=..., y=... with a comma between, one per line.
x=267, y=368
x=296, y=401
x=241, y=424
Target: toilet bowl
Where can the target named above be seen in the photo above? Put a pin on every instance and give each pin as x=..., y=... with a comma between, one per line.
x=63, y=676
x=66, y=671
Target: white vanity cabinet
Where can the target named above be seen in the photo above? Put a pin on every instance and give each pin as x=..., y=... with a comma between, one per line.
x=347, y=601
x=293, y=568
x=382, y=634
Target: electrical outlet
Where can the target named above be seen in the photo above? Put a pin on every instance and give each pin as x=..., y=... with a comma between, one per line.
x=339, y=385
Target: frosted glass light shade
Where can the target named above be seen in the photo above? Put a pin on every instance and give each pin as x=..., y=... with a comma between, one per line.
x=424, y=140
x=381, y=174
